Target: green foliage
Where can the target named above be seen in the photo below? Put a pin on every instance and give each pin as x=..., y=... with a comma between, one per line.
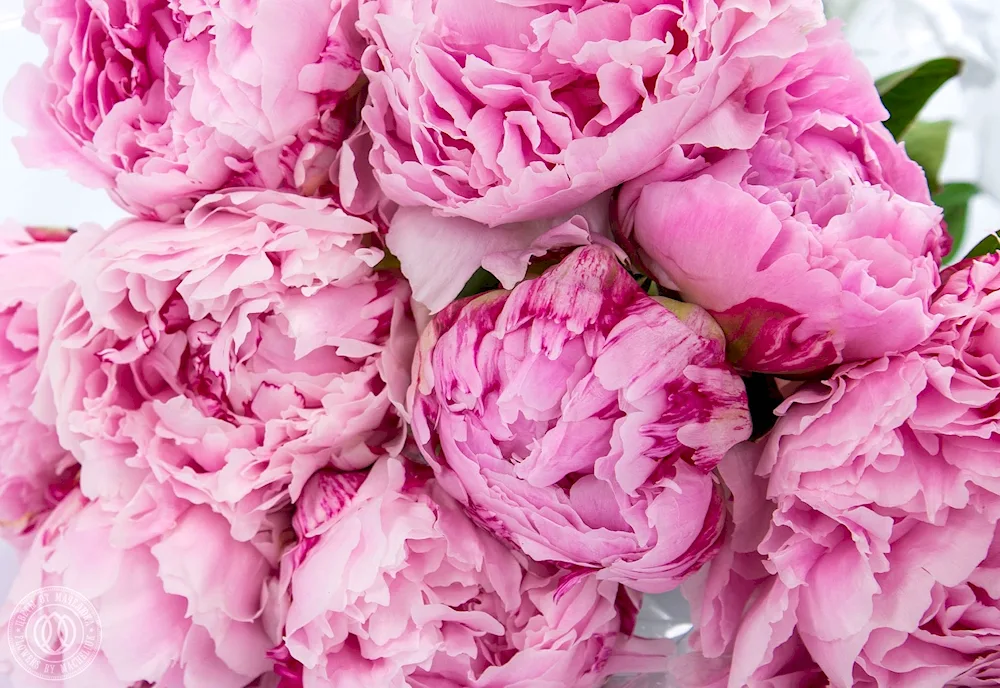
x=389, y=262
x=990, y=244
x=905, y=93
x=481, y=280
x=954, y=200
x=646, y=283
x=926, y=144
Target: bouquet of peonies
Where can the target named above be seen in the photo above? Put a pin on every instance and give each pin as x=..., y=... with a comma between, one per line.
x=443, y=331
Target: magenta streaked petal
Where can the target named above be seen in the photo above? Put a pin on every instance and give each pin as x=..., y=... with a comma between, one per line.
x=578, y=419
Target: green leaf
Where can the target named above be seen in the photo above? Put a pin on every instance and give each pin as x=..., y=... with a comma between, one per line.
x=905, y=93
x=926, y=143
x=481, y=280
x=646, y=283
x=388, y=262
x=954, y=200
x=990, y=244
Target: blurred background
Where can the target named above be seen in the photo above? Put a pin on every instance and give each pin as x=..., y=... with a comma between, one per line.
x=888, y=35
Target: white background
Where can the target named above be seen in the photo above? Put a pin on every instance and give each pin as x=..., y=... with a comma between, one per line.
x=42, y=197
x=888, y=35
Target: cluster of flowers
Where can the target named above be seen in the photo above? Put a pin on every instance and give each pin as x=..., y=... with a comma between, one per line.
x=424, y=355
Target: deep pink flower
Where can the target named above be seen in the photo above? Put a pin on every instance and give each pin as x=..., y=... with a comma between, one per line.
x=163, y=101
x=503, y=112
x=579, y=419
x=230, y=357
x=181, y=609
x=391, y=585
x=817, y=246
x=882, y=552
x=35, y=471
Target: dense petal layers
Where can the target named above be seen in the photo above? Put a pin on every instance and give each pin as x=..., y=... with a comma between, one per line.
x=181, y=609
x=579, y=419
x=914, y=432
x=507, y=112
x=817, y=246
x=230, y=357
x=35, y=471
x=163, y=101
x=391, y=585
x=870, y=538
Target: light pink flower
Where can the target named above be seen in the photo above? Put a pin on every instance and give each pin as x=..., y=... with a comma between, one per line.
x=914, y=432
x=504, y=112
x=861, y=598
x=579, y=420
x=163, y=101
x=882, y=553
x=182, y=609
x=391, y=585
x=819, y=245
x=35, y=471
x=734, y=603
x=230, y=357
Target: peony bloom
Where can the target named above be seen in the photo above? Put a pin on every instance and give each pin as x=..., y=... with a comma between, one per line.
x=231, y=357
x=163, y=101
x=547, y=105
x=391, y=585
x=579, y=420
x=35, y=471
x=182, y=609
x=861, y=598
x=882, y=553
x=725, y=595
x=838, y=243
x=914, y=432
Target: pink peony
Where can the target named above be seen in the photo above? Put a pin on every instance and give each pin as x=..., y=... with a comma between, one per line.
x=230, y=357
x=502, y=112
x=914, y=432
x=818, y=245
x=182, y=609
x=35, y=471
x=726, y=594
x=579, y=420
x=882, y=553
x=391, y=585
x=163, y=101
